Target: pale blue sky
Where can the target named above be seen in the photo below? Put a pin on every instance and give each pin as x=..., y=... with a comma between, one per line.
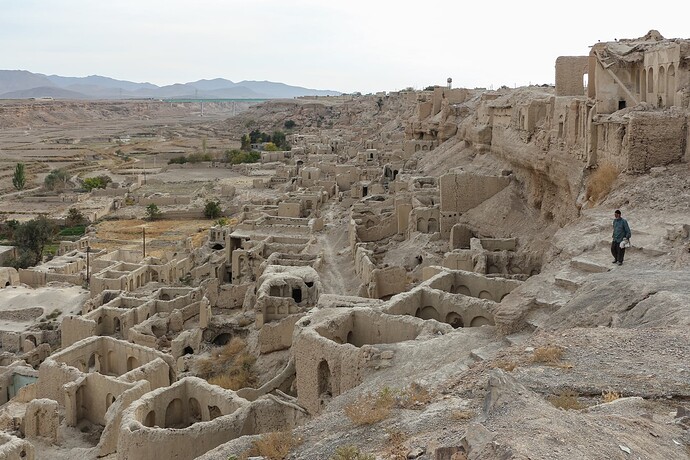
x=352, y=45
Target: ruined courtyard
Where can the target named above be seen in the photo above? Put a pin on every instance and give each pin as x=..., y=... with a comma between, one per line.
x=435, y=259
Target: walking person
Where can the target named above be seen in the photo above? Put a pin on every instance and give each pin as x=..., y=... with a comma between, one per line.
x=621, y=238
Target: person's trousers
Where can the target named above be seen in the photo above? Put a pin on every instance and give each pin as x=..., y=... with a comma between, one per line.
x=617, y=251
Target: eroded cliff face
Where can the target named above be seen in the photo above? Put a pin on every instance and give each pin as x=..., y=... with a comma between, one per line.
x=38, y=113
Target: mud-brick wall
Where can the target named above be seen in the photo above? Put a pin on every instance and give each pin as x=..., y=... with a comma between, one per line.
x=569, y=73
x=655, y=139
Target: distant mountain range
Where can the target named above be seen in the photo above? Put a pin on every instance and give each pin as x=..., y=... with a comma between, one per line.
x=22, y=84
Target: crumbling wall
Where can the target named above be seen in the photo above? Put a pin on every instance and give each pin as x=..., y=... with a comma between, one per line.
x=462, y=191
x=470, y=284
x=277, y=335
x=334, y=351
x=182, y=421
x=655, y=139
x=453, y=309
x=570, y=71
x=13, y=448
x=386, y=282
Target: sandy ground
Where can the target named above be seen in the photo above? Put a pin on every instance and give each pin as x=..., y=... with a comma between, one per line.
x=19, y=305
x=161, y=235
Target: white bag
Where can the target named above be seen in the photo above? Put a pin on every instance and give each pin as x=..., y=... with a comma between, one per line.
x=625, y=243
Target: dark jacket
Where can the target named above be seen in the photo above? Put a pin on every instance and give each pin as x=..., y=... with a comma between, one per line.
x=621, y=229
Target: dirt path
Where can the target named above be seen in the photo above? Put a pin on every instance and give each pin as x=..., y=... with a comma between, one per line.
x=338, y=270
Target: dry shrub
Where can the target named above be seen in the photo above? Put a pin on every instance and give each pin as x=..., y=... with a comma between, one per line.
x=274, y=446
x=548, y=355
x=230, y=366
x=609, y=396
x=462, y=415
x=396, y=445
x=414, y=396
x=600, y=182
x=506, y=365
x=566, y=400
x=350, y=453
x=371, y=408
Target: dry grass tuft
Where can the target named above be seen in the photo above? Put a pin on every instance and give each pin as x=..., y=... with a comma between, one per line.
x=230, y=366
x=609, y=396
x=600, y=182
x=350, y=453
x=371, y=408
x=506, y=365
x=274, y=446
x=462, y=415
x=396, y=445
x=414, y=397
x=566, y=400
x=548, y=355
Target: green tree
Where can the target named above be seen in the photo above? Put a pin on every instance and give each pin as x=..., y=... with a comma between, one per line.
x=91, y=183
x=289, y=124
x=74, y=217
x=235, y=157
x=152, y=212
x=56, y=180
x=212, y=209
x=271, y=147
x=279, y=139
x=19, y=178
x=246, y=143
x=31, y=238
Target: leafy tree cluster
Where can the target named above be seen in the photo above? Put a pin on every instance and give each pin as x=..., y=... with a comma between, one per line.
x=19, y=178
x=56, y=180
x=193, y=158
x=212, y=210
x=74, y=218
x=152, y=212
x=235, y=157
x=7, y=229
x=91, y=183
x=256, y=136
x=289, y=124
x=31, y=238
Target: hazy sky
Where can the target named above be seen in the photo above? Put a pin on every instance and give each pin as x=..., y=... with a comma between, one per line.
x=352, y=45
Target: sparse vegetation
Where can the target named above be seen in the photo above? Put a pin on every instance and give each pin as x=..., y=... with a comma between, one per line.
x=547, y=355
x=289, y=124
x=396, y=445
x=609, y=396
x=351, y=453
x=566, y=400
x=274, y=446
x=230, y=366
x=600, y=182
x=506, y=365
x=414, y=396
x=371, y=408
x=462, y=415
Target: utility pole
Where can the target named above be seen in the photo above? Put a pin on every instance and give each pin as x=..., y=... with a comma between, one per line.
x=143, y=236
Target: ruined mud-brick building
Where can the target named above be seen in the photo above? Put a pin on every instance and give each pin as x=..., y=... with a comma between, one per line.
x=127, y=361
